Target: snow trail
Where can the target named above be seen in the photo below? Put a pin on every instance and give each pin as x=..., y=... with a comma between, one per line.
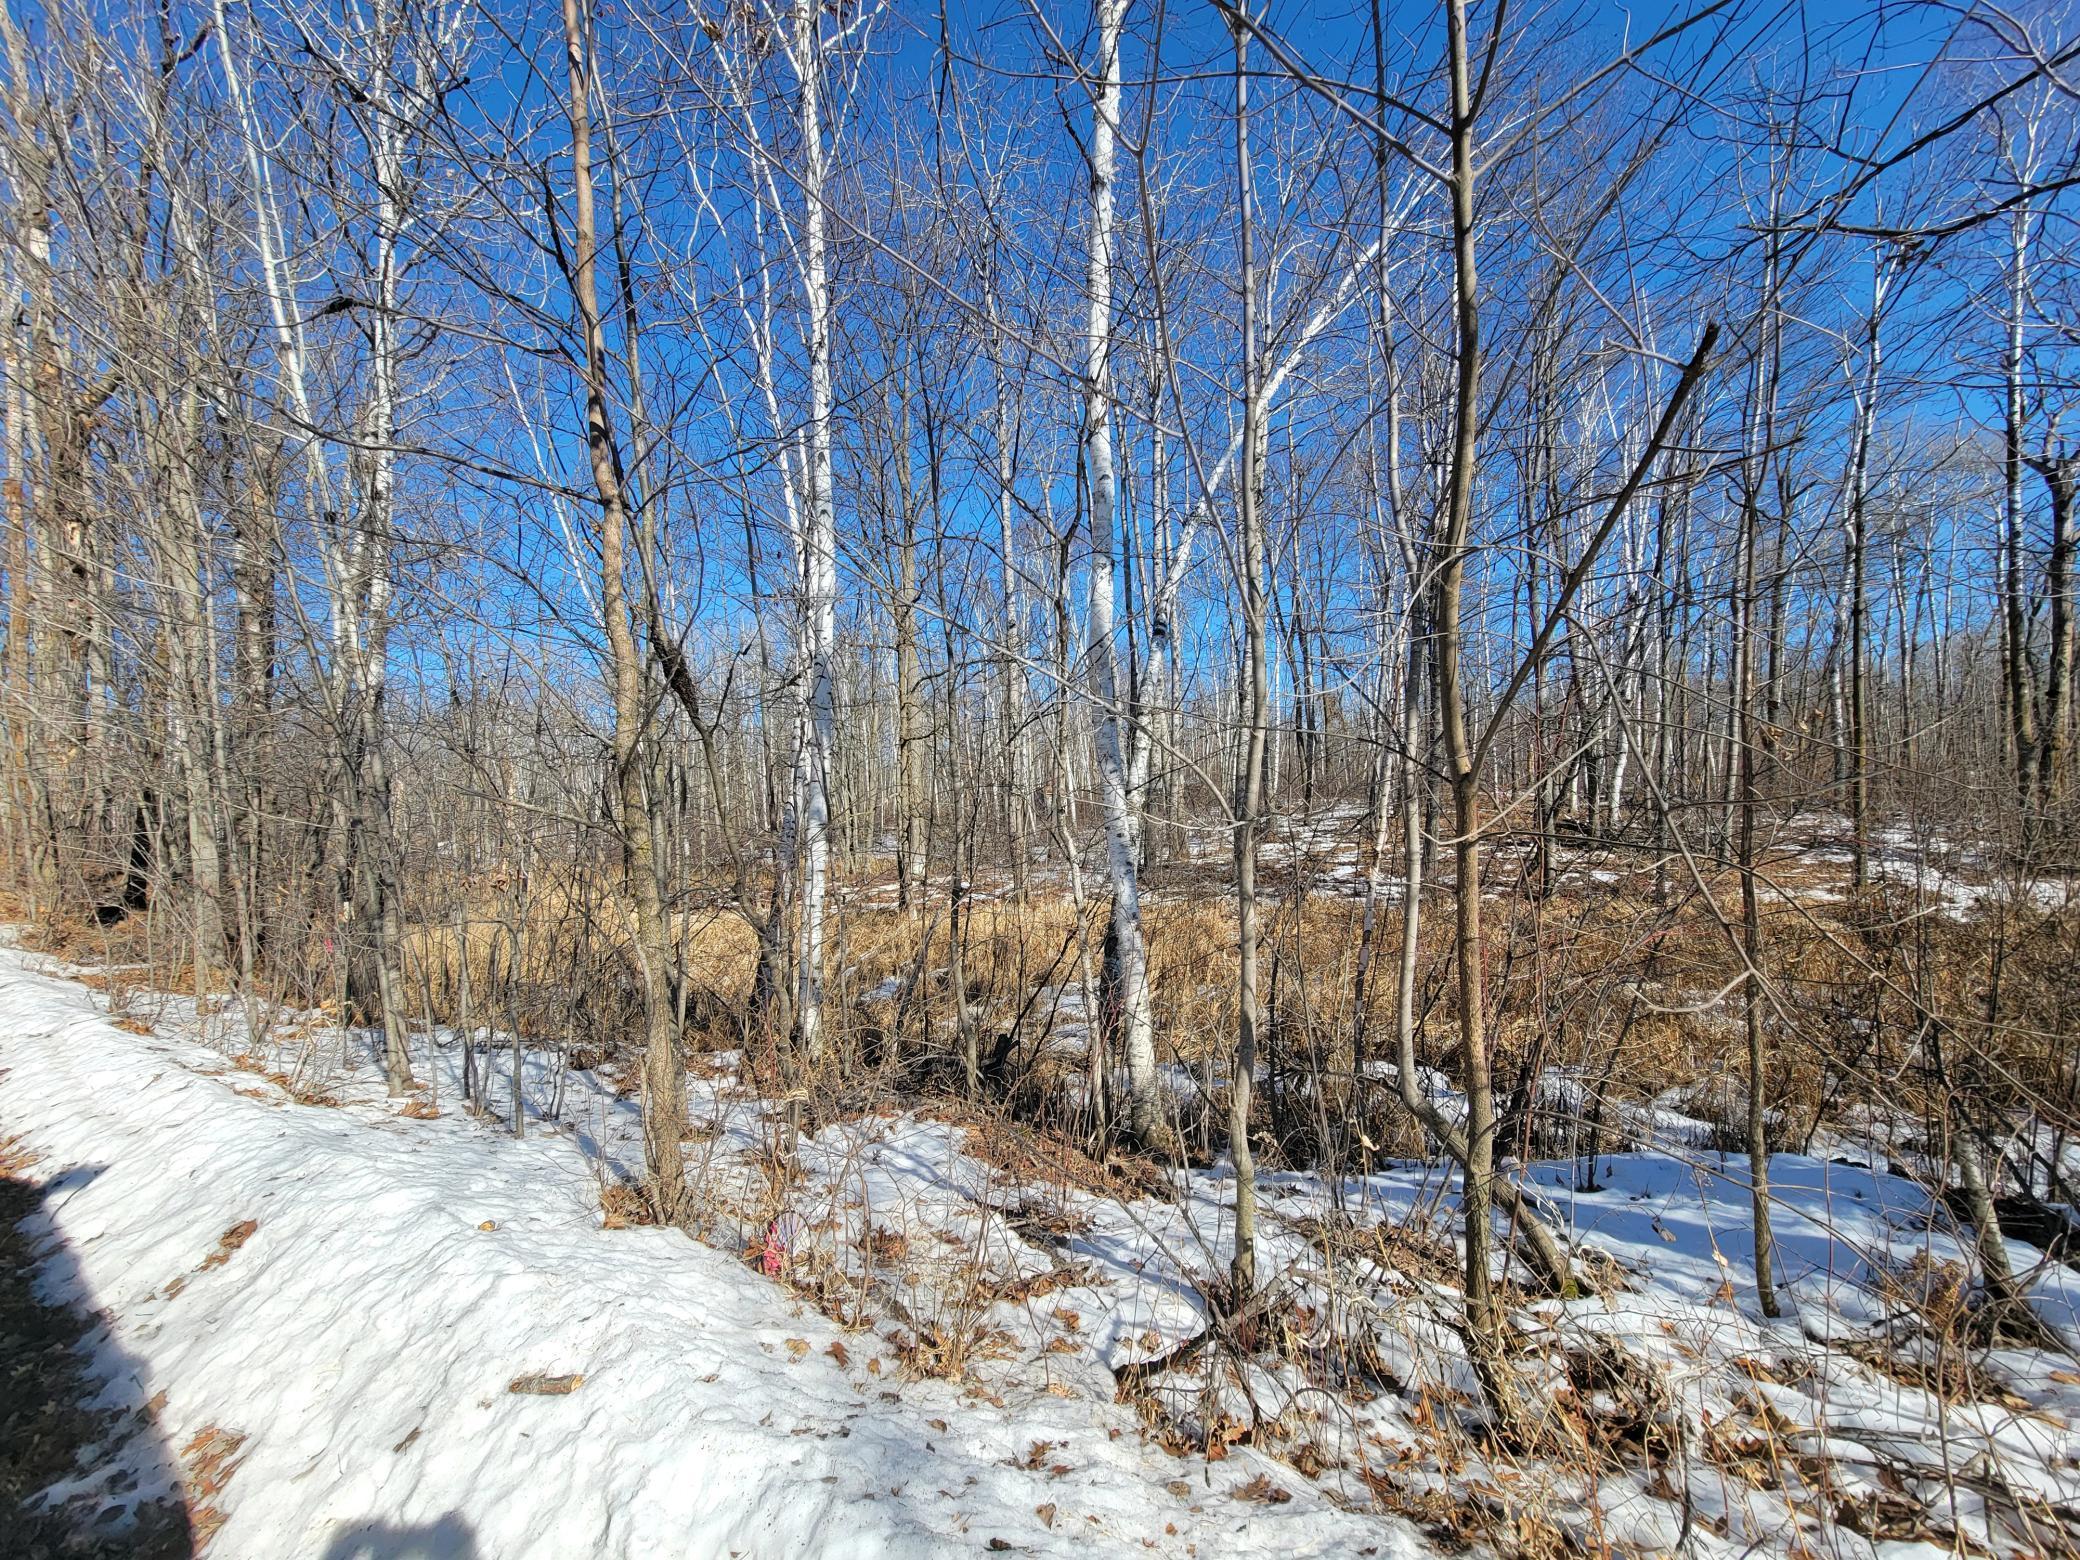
x=333, y=1303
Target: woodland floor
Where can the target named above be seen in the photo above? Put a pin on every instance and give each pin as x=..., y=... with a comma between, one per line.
x=397, y=1328
x=376, y=1335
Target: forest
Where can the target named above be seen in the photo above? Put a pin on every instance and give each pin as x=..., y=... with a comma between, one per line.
x=1346, y=729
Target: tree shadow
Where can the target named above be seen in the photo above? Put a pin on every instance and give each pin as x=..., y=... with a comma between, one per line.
x=447, y=1539
x=84, y=1467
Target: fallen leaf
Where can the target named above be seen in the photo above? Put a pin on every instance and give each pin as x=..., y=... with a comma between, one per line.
x=1263, y=1491
x=229, y=1242
x=539, y=1385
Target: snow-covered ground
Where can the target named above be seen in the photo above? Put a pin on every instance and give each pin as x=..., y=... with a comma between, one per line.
x=932, y=1363
x=332, y=1304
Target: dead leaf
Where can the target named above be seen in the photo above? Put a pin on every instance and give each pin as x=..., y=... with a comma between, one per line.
x=539, y=1385
x=229, y=1242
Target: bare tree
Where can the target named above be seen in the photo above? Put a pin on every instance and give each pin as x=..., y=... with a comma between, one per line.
x=664, y=1087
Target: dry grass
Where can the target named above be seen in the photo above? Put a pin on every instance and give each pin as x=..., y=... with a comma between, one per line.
x=1595, y=977
x=1634, y=996
x=301, y=1092
x=1598, y=978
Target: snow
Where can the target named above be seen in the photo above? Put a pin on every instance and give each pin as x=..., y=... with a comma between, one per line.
x=933, y=1366
x=1956, y=879
x=400, y=1273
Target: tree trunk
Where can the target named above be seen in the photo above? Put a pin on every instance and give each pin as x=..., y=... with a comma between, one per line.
x=819, y=581
x=1747, y=803
x=1249, y=771
x=1485, y=1322
x=1129, y=951
x=664, y=1084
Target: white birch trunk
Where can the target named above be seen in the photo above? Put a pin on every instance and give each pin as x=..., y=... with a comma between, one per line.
x=819, y=578
x=1136, y=1020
